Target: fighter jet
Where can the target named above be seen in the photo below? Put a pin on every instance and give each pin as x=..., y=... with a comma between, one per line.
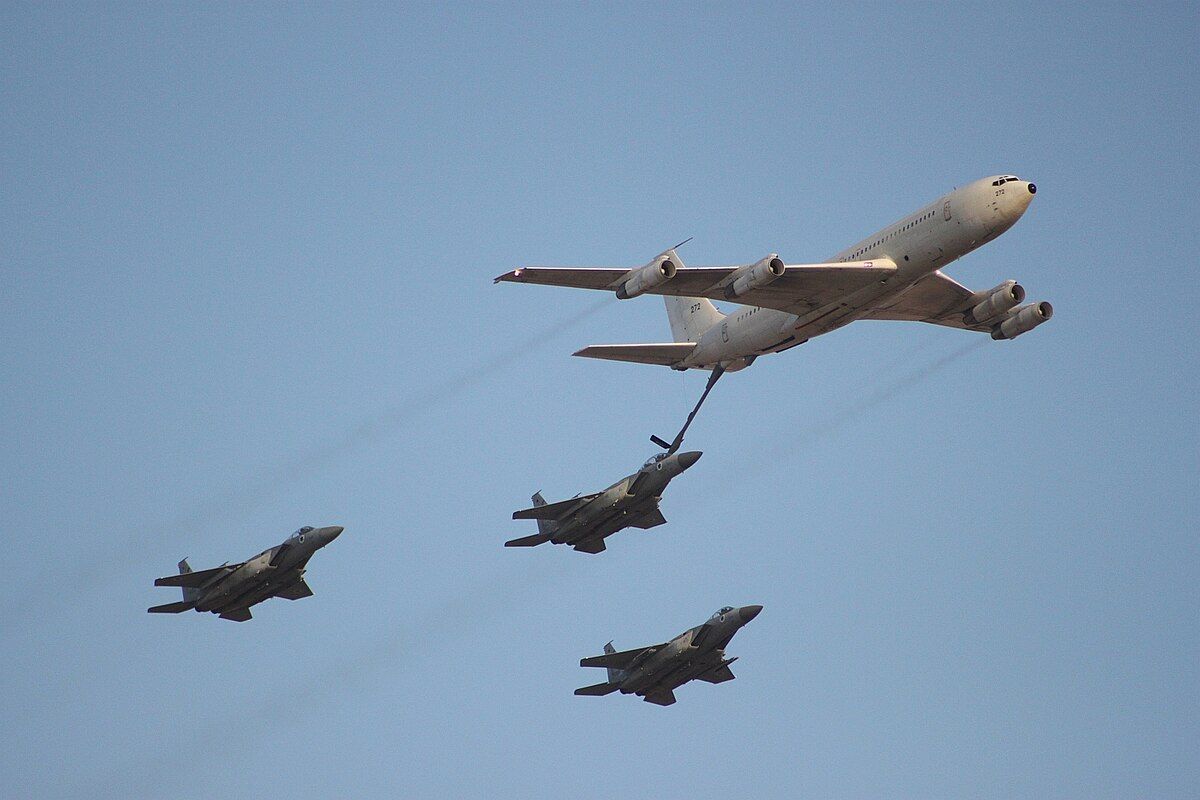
x=230, y=589
x=654, y=673
x=585, y=521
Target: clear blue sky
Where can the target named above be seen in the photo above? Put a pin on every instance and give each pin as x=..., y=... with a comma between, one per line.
x=247, y=255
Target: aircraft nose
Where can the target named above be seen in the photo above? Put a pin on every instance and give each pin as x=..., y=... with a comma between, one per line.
x=687, y=459
x=748, y=613
x=332, y=532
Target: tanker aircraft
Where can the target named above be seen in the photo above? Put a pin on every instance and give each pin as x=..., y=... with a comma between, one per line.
x=230, y=589
x=894, y=274
x=654, y=673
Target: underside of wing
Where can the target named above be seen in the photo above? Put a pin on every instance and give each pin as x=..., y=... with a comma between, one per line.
x=557, y=510
x=719, y=675
x=938, y=299
x=800, y=288
x=296, y=591
x=666, y=354
x=651, y=519
x=592, y=546
x=619, y=660
x=237, y=615
x=660, y=697
x=194, y=580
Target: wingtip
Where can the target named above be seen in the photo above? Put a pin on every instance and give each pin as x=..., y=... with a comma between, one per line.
x=511, y=275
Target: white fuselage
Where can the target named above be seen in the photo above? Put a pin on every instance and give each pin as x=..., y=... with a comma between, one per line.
x=918, y=244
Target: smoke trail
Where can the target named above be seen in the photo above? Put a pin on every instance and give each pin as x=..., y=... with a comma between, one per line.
x=882, y=395
x=252, y=491
x=424, y=633
x=847, y=414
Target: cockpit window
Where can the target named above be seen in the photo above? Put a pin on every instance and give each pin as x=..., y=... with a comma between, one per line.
x=304, y=530
x=724, y=610
x=650, y=462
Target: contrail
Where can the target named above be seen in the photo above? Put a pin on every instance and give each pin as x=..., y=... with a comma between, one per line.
x=253, y=490
x=882, y=395
x=423, y=633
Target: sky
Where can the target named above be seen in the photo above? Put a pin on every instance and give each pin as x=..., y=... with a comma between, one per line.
x=247, y=256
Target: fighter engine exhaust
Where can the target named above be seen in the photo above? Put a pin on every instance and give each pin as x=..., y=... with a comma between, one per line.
x=653, y=274
x=1023, y=320
x=754, y=276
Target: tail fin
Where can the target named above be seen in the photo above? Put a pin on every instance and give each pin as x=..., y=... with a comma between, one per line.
x=690, y=317
x=614, y=675
x=190, y=595
x=546, y=527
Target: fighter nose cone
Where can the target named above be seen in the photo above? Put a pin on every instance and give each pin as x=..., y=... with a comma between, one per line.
x=333, y=531
x=689, y=458
x=748, y=613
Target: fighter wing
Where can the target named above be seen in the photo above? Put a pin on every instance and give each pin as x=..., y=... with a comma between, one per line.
x=801, y=288
x=620, y=660
x=651, y=519
x=937, y=299
x=194, y=580
x=719, y=675
x=296, y=591
x=558, y=510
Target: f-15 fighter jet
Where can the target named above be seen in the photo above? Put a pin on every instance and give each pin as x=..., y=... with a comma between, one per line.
x=654, y=673
x=230, y=589
x=586, y=520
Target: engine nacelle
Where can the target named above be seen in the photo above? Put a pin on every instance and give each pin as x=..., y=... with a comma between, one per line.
x=754, y=276
x=1023, y=320
x=657, y=272
x=998, y=302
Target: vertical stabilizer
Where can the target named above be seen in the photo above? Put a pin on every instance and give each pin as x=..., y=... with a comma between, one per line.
x=546, y=527
x=690, y=317
x=614, y=675
x=190, y=595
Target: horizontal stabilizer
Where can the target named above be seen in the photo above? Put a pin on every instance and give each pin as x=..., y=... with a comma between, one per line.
x=597, y=689
x=172, y=608
x=528, y=541
x=666, y=354
x=296, y=591
x=554, y=510
x=237, y=615
x=194, y=580
x=660, y=697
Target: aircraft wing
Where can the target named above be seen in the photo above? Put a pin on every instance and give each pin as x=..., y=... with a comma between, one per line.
x=800, y=289
x=557, y=510
x=651, y=519
x=937, y=299
x=296, y=591
x=620, y=660
x=718, y=675
x=194, y=580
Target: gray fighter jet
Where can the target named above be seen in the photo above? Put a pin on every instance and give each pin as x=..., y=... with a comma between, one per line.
x=654, y=673
x=585, y=520
x=230, y=589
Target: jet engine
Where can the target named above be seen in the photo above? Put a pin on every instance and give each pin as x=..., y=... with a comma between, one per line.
x=1023, y=320
x=997, y=302
x=754, y=276
x=656, y=272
